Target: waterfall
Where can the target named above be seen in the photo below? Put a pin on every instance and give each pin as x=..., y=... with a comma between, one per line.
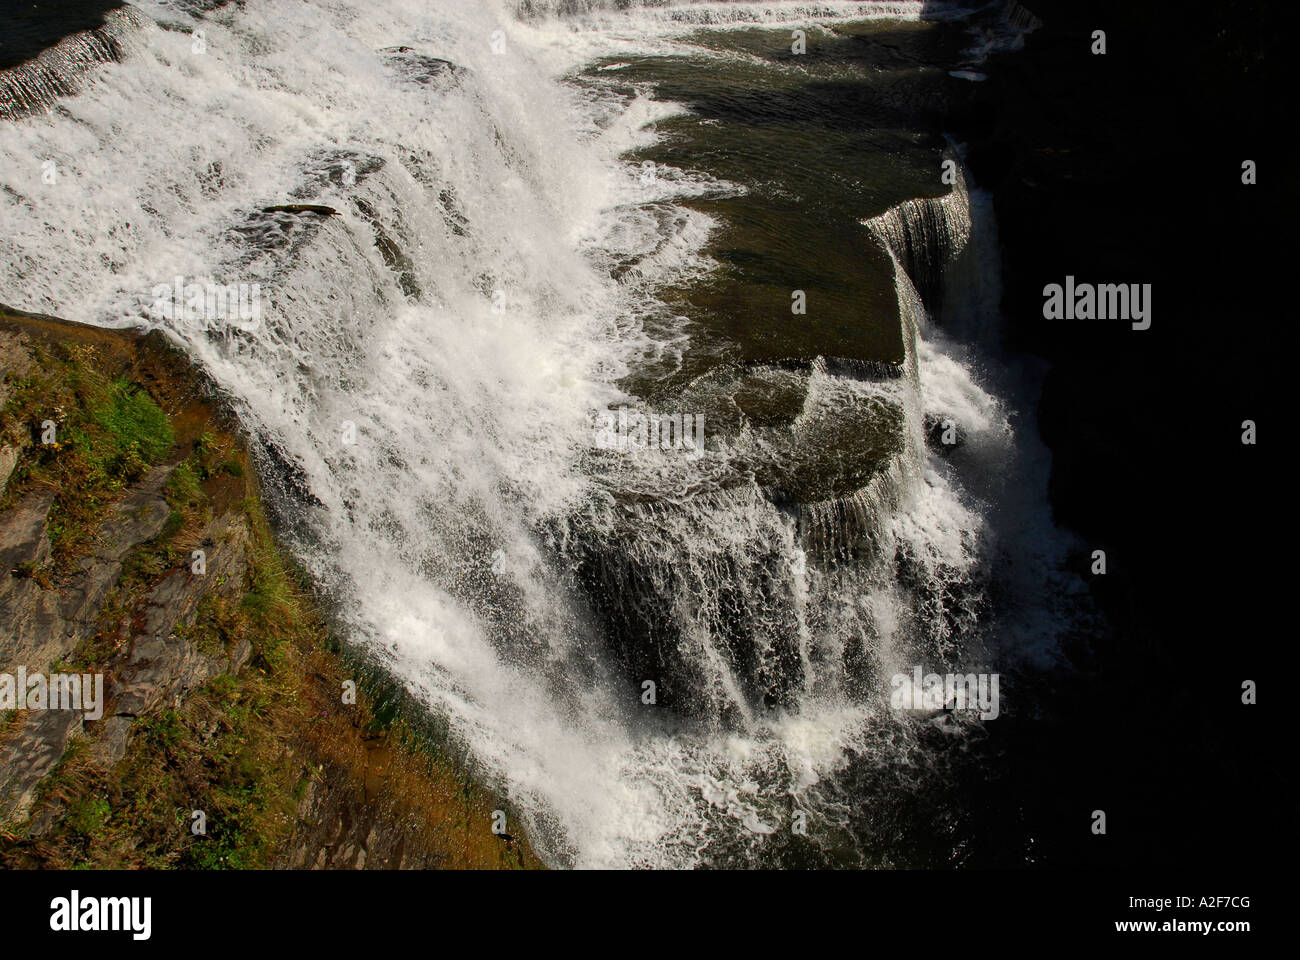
x=927, y=236
x=432, y=220
x=420, y=379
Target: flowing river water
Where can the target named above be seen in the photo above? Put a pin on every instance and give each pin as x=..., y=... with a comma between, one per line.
x=552, y=222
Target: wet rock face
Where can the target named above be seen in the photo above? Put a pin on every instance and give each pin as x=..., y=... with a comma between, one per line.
x=40, y=624
x=14, y=359
x=357, y=831
x=29, y=615
x=29, y=755
x=420, y=68
x=161, y=669
x=45, y=620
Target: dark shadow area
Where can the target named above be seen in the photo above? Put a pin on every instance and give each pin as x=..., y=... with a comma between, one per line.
x=1127, y=168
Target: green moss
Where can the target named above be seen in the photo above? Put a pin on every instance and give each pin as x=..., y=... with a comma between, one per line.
x=137, y=427
x=222, y=687
x=107, y=433
x=89, y=815
x=183, y=488
x=271, y=601
x=205, y=444
x=175, y=520
x=163, y=730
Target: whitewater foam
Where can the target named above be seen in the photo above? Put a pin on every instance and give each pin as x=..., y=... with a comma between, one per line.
x=465, y=313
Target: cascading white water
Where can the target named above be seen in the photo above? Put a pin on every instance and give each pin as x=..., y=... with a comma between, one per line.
x=35, y=85
x=458, y=320
x=466, y=418
x=925, y=236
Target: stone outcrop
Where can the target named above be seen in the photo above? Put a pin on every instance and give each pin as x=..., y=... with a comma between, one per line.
x=341, y=790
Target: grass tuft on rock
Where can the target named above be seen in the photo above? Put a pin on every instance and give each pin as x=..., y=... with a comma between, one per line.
x=93, y=436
